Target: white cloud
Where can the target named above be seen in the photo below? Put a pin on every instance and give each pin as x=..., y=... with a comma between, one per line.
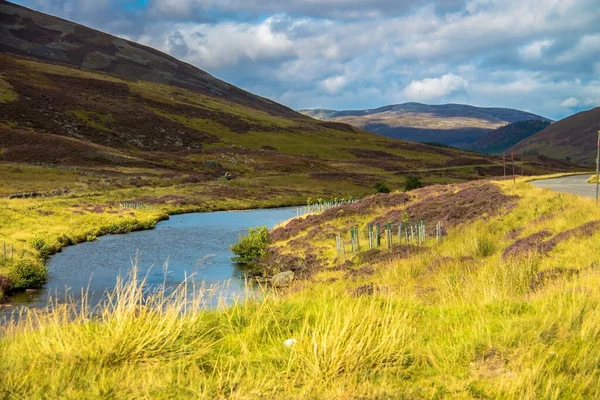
x=334, y=84
x=226, y=44
x=432, y=88
x=587, y=47
x=571, y=102
x=534, y=50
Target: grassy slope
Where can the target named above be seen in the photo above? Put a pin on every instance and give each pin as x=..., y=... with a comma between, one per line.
x=574, y=137
x=453, y=321
x=501, y=139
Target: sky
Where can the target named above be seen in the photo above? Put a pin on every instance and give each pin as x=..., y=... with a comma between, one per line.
x=541, y=56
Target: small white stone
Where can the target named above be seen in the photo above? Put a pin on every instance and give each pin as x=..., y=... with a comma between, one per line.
x=290, y=342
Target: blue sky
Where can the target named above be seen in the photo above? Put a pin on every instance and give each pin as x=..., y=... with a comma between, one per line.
x=542, y=56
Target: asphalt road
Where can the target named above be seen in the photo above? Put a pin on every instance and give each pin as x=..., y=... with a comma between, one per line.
x=576, y=184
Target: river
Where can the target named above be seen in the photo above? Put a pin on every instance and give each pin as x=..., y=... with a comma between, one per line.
x=188, y=245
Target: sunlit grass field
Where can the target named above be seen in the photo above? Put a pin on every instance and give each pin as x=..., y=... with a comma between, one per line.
x=473, y=325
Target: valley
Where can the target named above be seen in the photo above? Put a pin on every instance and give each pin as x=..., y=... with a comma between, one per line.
x=167, y=234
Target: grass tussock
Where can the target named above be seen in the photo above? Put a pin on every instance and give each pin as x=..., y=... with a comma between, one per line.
x=454, y=320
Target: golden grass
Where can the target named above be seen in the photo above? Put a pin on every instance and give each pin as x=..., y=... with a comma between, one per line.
x=471, y=327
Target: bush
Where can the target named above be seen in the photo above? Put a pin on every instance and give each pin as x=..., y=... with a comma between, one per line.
x=28, y=274
x=412, y=182
x=485, y=247
x=42, y=247
x=251, y=247
x=381, y=187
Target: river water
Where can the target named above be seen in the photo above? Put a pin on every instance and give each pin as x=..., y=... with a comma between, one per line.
x=189, y=245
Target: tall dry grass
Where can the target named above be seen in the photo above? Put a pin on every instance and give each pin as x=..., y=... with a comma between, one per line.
x=472, y=326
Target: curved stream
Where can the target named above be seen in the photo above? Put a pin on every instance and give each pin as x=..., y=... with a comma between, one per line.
x=195, y=245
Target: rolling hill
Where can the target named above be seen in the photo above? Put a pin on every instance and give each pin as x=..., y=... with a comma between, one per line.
x=30, y=33
x=74, y=97
x=456, y=125
x=573, y=137
x=501, y=139
x=128, y=116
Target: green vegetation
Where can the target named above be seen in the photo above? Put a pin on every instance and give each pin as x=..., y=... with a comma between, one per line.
x=93, y=119
x=412, y=182
x=381, y=187
x=251, y=247
x=28, y=274
x=485, y=247
x=7, y=92
x=450, y=321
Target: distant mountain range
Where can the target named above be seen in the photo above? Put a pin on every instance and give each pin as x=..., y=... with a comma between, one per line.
x=501, y=139
x=456, y=125
x=574, y=137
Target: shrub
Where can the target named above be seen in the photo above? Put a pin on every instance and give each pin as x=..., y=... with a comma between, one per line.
x=28, y=274
x=41, y=246
x=412, y=182
x=485, y=247
x=381, y=187
x=251, y=247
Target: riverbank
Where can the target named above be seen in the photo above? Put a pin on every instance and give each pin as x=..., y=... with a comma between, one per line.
x=507, y=305
x=39, y=228
x=33, y=228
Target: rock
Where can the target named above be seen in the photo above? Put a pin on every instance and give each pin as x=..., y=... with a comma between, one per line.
x=282, y=279
x=5, y=284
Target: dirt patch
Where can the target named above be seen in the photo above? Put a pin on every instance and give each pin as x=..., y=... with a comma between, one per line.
x=526, y=245
x=302, y=267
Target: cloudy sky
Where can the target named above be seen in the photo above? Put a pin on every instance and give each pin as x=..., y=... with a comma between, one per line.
x=538, y=55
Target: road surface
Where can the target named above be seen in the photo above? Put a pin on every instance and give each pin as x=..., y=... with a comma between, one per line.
x=576, y=184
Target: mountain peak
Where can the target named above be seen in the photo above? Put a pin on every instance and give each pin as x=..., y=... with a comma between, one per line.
x=453, y=124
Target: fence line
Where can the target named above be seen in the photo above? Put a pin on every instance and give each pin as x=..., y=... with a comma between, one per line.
x=321, y=206
x=138, y=206
x=407, y=233
x=8, y=253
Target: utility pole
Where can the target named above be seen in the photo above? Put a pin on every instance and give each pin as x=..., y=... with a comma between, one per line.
x=597, y=166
